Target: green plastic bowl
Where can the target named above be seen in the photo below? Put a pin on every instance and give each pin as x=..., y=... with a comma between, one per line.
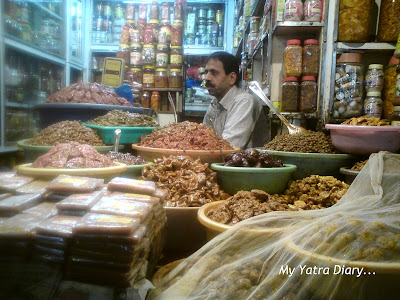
x=270, y=180
x=134, y=171
x=308, y=164
x=129, y=135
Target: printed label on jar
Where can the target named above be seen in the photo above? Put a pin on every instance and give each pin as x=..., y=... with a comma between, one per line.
x=395, y=123
x=373, y=109
x=176, y=59
x=135, y=58
x=293, y=11
x=162, y=59
x=312, y=11
x=148, y=78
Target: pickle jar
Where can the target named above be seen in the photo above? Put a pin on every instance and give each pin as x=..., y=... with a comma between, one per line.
x=148, y=76
x=141, y=26
x=389, y=21
x=161, y=78
x=395, y=117
x=155, y=25
x=290, y=94
x=175, y=78
x=148, y=37
x=354, y=21
x=162, y=57
x=177, y=33
x=136, y=55
x=146, y=99
x=308, y=94
x=136, y=75
x=148, y=54
x=164, y=34
x=165, y=15
x=389, y=78
x=154, y=10
x=155, y=101
x=124, y=53
x=374, y=78
x=135, y=36
x=125, y=34
x=373, y=105
x=292, y=58
x=310, y=58
x=176, y=57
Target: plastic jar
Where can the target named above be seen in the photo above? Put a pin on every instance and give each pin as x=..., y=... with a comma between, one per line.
x=124, y=53
x=136, y=75
x=148, y=35
x=162, y=56
x=308, y=94
x=290, y=94
x=311, y=58
x=389, y=21
x=161, y=78
x=146, y=99
x=175, y=78
x=312, y=11
x=136, y=55
x=354, y=21
x=395, y=118
x=254, y=24
x=141, y=26
x=374, y=78
x=154, y=10
x=155, y=101
x=135, y=36
x=164, y=34
x=177, y=33
x=176, y=57
x=155, y=25
x=349, y=86
x=293, y=10
x=373, y=104
x=148, y=76
x=148, y=54
x=124, y=39
x=389, y=78
x=178, y=9
x=292, y=59
x=165, y=15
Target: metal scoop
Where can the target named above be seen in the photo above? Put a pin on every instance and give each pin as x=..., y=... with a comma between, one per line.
x=117, y=137
x=256, y=89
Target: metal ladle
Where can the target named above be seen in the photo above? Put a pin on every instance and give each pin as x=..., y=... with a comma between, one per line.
x=256, y=89
x=117, y=137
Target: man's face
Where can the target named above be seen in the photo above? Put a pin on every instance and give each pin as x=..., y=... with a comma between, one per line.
x=217, y=82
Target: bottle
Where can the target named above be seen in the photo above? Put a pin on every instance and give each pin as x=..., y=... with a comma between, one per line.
x=290, y=94
x=148, y=76
x=175, y=78
x=373, y=104
x=389, y=87
x=292, y=58
x=155, y=101
x=161, y=78
x=308, y=94
x=395, y=118
x=176, y=57
x=374, y=78
x=162, y=57
x=146, y=99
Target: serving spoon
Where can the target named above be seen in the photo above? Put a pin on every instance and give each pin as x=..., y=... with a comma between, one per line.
x=117, y=137
x=256, y=89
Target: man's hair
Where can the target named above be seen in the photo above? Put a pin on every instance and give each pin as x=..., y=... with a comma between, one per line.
x=228, y=61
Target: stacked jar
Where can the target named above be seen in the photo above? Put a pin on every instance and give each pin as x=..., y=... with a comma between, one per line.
x=388, y=92
x=252, y=39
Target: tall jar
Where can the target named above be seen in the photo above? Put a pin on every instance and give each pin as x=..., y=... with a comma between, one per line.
x=313, y=10
x=308, y=94
x=148, y=54
x=154, y=10
x=177, y=33
x=148, y=37
x=148, y=76
x=161, y=78
x=292, y=58
x=164, y=34
x=354, y=21
x=349, y=86
x=141, y=26
x=136, y=55
x=175, y=78
x=389, y=78
x=290, y=94
x=389, y=21
x=374, y=78
x=155, y=101
x=293, y=10
x=155, y=25
x=146, y=99
x=124, y=39
x=373, y=105
x=176, y=57
x=165, y=15
x=129, y=11
x=124, y=53
x=162, y=56
x=136, y=75
x=311, y=58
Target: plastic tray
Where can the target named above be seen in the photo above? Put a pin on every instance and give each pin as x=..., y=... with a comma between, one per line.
x=129, y=135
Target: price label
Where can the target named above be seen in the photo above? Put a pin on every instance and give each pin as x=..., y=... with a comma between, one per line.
x=113, y=71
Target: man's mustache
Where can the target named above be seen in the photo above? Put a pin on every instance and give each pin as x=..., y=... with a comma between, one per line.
x=209, y=84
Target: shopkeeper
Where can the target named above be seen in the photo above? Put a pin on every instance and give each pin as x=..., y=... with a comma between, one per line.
x=235, y=114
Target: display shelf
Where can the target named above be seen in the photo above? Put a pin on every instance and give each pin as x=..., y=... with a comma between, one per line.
x=50, y=12
x=295, y=114
x=366, y=46
x=18, y=105
x=163, y=89
x=197, y=50
x=293, y=28
x=7, y=149
x=106, y=48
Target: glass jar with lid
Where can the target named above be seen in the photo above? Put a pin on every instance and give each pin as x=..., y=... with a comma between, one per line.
x=124, y=53
x=154, y=10
x=161, y=78
x=313, y=10
x=175, y=78
x=148, y=76
x=124, y=39
x=136, y=55
x=146, y=99
x=293, y=10
x=349, y=86
x=354, y=21
x=177, y=33
x=373, y=104
x=176, y=57
x=389, y=21
x=165, y=15
x=374, y=78
x=136, y=75
x=164, y=34
x=148, y=35
x=389, y=78
x=155, y=101
x=141, y=26
x=292, y=58
x=148, y=54
x=395, y=117
x=155, y=25
x=290, y=94
x=311, y=58
x=162, y=56
x=308, y=94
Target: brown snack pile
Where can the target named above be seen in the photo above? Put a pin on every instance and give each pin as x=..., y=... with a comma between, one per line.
x=366, y=121
x=190, y=183
x=306, y=142
x=251, y=158
x=86, y=92
x=359, y=165
x=119, y=118
x=72, y=155
x=126, y=158
x=64, y=132
x=184, y=136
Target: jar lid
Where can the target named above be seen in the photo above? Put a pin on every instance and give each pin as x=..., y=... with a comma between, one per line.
x=161, y=70
x=290, y=78
x=130, y=22
x=148, y=46
x=160, y=46
x=396, y=108
x=149, y=67
x=177, y=23
x=164, y=23
x=176, y=70
x=149, y=27
x=176, y=47
x=153, y=21
x=136, y=69
x=141, y=21
x=293, y=42
x=373, y=94
x=308, y=78
x=375, y=66
x=135, y=46
x=123, y=46
x=394, y=61
x=156, y=93
x=350, y=57
x=311, y=42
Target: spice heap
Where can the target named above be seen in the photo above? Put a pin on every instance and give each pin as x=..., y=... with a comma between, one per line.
x=366, y=121
x=116, y=118
x=184, y=136
x=72, y=155
x=190, y=183
x=64, y=132
x=86, y=92
x=306, y=142
x=126, y=158
x=251, y=158
x=359, y=165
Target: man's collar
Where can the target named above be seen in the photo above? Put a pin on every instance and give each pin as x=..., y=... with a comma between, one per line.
x=226, y=101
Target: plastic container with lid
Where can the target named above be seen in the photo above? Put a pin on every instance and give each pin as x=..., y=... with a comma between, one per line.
x=135, y=75
x=156, y=27
x=135, y=37
x=374, y=78
x=292, y=58
x=293, y=10
x=373, y=104
x=148, y=54
x=161, y=78
x=141, y=26
x=254, y=24
x=124, y=53
x=148, y=76
x=290, y=94
x=162, y=56
x=395, y=118
x=136, y=55
x=175, y=78
x=164, y=34
x=178, y=9
x=313, y=10
x=155, y=101
x=177, y=33
x=129, y=11
x=389, y=78
x=308, y=94
x=124, y=39
x=148, y=37
x=154, y=10
x=176, y=57
x=349, y=86
x=354, y=21
x=146, y=99
x=311, y=58
x=389, y=21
